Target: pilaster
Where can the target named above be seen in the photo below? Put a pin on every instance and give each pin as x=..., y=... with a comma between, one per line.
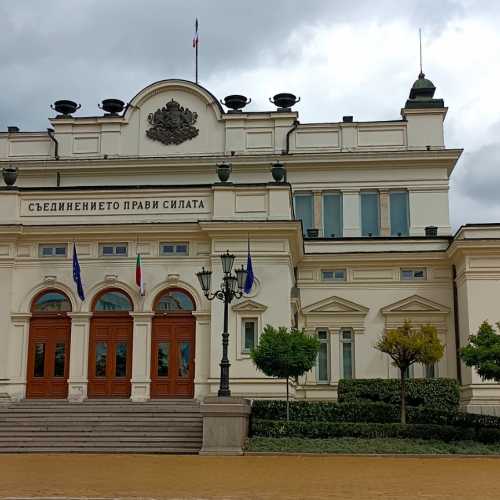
x=318, y=212
x=385, y=226
x=351, y=212
x=78, y=358
x=141, y=356
x=202, y=354
x=18, y=355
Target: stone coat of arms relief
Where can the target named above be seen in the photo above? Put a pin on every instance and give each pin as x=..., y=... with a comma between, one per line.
x=172, y=124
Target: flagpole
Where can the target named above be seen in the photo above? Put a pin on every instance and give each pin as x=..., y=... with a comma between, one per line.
x=196, y=69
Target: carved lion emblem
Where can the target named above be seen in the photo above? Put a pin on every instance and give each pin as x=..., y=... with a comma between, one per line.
x=172, y=124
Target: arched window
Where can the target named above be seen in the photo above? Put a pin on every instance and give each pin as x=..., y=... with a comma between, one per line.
x=174, y=300
x=51, y=301
x=113, y=301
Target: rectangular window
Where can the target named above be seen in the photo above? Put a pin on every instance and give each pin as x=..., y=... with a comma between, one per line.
x=249, y=334
x=332, y=215
x=430, y=371
x=101, y=356
x=400, y=214
x=416, y=274
x=183, y=358
x=333, y=275
x=304, y=210
x=174, y=249
x=370, y=213
x=39, y=368
x=347, y=348
x=113, y=249
x=59, y=360
x=322, y=367
x=54, y=250
x=163, y=354
x=410, y=372
x=121, y=359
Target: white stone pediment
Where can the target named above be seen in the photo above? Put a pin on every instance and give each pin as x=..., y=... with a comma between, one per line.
x=249, y=306
x=335, y=305
x=415, y=305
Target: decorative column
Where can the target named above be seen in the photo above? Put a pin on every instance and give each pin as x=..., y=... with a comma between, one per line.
x=141, y=356
x=202, y=354
x=351, y=212
x=79, y=356
x=385, y=226
x=18, y=355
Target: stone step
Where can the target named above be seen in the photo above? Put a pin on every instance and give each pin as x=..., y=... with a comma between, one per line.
x=102, y=449
x=89, y=440
x=6, y=410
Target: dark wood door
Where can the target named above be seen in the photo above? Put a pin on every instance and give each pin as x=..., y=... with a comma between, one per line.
x=110, y=356
x=48, y=357
x=172, y=357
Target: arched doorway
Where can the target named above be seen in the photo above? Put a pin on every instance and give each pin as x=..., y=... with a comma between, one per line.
x=110, y=346
x=48, y=346
x=173, y=345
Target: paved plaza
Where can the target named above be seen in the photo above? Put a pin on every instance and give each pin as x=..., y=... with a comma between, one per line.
x=261, y=477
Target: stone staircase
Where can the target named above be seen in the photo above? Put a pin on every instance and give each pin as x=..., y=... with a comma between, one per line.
x=101, y=426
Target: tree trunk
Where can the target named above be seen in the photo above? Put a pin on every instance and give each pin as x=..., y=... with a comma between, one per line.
x=403, y=396
x=287, y=402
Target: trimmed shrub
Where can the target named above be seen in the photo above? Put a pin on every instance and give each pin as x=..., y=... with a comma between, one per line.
x=437, y=393
x=323, y=430
x=367, y=412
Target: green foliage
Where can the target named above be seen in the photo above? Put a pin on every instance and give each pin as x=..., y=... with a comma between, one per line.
x=438, y=393
x=367, y=412
x=483, y=352
x=284, y=353
x=406, y=345
x=374, y=445
x=322, y=430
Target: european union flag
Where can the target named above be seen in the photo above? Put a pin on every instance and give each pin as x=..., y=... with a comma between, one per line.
x=250, y=277
x=76, y=274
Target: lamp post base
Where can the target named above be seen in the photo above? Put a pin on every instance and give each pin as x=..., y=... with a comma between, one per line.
x=225, y=425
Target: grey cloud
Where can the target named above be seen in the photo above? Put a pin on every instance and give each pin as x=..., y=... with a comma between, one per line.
x=92, y=49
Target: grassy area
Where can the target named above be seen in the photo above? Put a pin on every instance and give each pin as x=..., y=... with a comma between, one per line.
x=355, y=445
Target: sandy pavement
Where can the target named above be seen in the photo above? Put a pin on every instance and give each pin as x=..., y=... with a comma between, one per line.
x=261, y=477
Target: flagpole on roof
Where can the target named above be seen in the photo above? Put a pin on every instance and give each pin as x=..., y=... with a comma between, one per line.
x=195, y=45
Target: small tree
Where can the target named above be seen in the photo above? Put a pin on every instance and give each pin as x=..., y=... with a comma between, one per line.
x=407, y=346
x=483, y=352
x=285, y=354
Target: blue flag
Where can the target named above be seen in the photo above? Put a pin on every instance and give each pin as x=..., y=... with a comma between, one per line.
x=250, y=277
x=76, y=274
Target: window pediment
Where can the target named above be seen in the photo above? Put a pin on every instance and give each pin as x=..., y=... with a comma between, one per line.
x=249, y=305
x=415, y=305
x=335, y=305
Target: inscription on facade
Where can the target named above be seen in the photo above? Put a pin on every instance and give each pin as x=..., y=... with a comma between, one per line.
x=129, y=206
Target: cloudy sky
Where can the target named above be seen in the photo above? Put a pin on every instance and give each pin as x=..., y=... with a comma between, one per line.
x=358, y=58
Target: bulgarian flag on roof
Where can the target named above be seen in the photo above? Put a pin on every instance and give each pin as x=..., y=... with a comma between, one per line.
x=139, y=275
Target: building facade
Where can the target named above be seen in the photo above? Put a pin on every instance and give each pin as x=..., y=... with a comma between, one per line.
x=355, y=240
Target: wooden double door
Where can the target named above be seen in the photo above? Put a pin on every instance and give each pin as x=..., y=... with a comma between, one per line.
x=48, y=357
x=172, y=356
x=110, y=356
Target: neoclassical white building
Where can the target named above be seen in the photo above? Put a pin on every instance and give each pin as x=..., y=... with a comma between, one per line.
x=354, y=240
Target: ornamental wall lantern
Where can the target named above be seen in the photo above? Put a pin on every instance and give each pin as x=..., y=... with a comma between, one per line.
x=9, y=175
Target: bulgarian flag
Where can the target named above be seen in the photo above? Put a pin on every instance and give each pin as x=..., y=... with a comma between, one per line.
x=139, y=275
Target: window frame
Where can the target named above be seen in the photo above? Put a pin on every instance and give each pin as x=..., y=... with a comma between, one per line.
x=326, y=341
x=361, y=193
x=408, y=217
x=175, y=253
x=353, y=351
x=309, y=194
x=54, y=246
x=413, y=270
x=334, y=279
x=114, y=245
x=339, y=194
x=243, y=321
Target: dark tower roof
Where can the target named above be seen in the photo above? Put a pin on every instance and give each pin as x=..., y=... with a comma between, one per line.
x=422, y=94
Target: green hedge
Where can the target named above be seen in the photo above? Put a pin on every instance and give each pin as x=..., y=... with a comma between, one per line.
x=367, y=412
x=324, y=430
x=437, y=393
